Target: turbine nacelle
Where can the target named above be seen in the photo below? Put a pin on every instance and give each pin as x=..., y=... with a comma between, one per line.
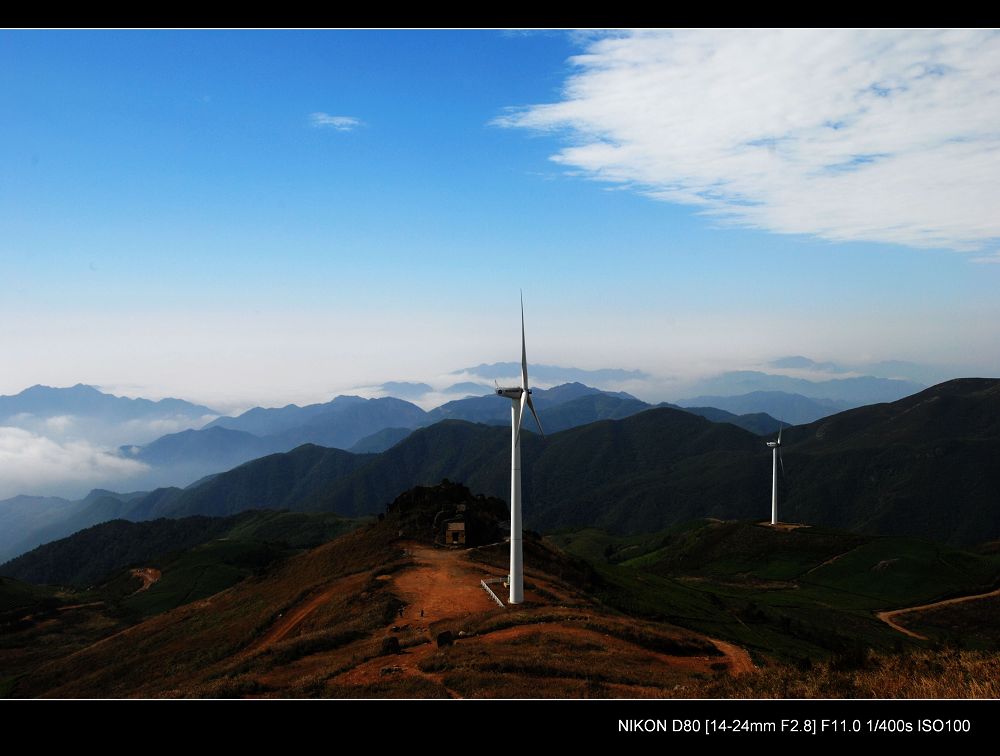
x=512, y=393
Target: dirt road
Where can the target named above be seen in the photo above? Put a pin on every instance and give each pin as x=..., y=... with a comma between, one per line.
x=889, y=618
x=444, y=584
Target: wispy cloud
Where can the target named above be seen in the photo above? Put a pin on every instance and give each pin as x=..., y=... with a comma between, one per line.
x=888, y=136
x=30, y=463
x=338, y=122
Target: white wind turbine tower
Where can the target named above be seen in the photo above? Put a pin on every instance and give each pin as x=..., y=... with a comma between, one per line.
x=520, y=396
x=775, y=461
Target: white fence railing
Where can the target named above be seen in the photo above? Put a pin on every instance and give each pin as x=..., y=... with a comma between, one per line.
x=490, y=591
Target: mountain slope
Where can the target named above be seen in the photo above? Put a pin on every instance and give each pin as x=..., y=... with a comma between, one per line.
x=347, y=425
x=213, y=448
x=21, y=516
x=380, y=441
x=89, y=555
x=924, y=465
x=920, y=466
x=278, y=481
x=643, y=472
x=758, y=423
x=334, y=622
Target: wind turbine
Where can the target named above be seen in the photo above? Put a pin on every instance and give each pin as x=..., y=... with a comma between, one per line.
x=520, y=397
x=775, y=461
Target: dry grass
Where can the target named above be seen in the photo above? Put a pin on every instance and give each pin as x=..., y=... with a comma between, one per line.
x=916, y=674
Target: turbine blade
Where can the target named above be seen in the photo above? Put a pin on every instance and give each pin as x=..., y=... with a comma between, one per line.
x=781, y=426
x=781, y=462
x=524, y=354
x=520, y=417
x=531, y=406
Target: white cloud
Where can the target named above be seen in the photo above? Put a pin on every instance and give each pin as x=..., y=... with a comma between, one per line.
x=60, y=425
x=338, y=122
x=888, y=136
x=102, y=431
x=33, y=464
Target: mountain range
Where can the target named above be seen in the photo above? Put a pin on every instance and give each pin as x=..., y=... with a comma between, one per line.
x=921, y=466
x=86, y=413
x=794, y=409
x=854, y=391
x=352, y=422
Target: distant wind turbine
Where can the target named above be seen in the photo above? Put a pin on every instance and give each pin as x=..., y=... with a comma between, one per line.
x=775, y=461
x=520, y=396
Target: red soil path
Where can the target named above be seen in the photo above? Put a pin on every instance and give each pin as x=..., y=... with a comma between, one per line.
x=297, y=616
x=445, y=585
x=148, y=576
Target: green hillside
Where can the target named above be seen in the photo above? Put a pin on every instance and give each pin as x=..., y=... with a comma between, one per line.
x=86, y=557
x=798, y=593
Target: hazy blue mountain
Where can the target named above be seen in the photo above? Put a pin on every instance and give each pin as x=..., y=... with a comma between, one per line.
x=21, y=516
x=27, y=521
x=380, y=440
x=345, y=425
x=574, y=404
x=181, y=458
x=405, y=389
x=83, y=413
x=340, y=423
x=759, y=423
x=553, y=373
x=87, y=401
x=790, y=408
x=494, y=410
x=469, y=388
x=853, y=391
x=586, y=409
x=208, y=450
x=266, y=421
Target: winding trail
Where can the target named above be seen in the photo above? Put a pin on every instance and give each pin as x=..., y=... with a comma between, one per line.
x=300, y=613
x=889, y=617
x=831, y=560
x=442, y=587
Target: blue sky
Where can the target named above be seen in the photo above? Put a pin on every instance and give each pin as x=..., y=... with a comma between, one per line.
x=181, y=215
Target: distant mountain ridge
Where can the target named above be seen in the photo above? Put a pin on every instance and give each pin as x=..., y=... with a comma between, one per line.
x=883, y=469
x=856, y=391
x=46, y=401
x=347, y=420
x=794, y=409
x=362, y=425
